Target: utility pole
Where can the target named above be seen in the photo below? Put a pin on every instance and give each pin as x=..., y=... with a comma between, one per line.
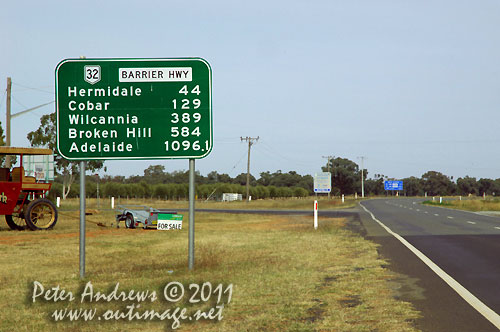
x=11, y=116
x=362, y=179
x=7, y=143
x=328, y=166
x=250, y=141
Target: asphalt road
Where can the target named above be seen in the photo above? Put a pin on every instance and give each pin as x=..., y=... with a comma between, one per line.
x=465, y=245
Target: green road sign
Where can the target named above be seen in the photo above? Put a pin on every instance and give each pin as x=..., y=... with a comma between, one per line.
x=134, y=108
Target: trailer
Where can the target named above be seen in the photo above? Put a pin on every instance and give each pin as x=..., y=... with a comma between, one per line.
x=22, y=198
x=139, y=216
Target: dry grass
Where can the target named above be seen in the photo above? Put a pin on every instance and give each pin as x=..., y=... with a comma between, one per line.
x=475, y=204
x=261, y=204
x=286, y=276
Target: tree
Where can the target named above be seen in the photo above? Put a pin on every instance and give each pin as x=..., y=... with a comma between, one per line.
x=242, y=179
x=346, y=175
x=412, y=186
x=374, y=186
x=290, y=179
x=467, y=185
x=214, y=177
x=436, y=183
x=488, y=186
x=265, y=179
x=154, y=174
x=45, y=136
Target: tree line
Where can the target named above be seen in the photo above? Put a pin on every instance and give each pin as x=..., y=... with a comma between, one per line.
x=156, y=183
x=346, y=179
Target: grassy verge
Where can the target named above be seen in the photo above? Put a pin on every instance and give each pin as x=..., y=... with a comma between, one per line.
x=273, y=204
x=474, y=205
x=285, y=275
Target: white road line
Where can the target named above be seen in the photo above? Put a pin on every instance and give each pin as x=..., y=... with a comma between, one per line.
x=437, y=215
x=482, y=308
x=449, y=217
x=418, y=210
x=497, y=227
x=426, y=212
x=471, y=222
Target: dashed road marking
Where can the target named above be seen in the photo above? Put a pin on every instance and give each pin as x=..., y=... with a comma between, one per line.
x=449, y=217
x=471, y=222
x=437, y=215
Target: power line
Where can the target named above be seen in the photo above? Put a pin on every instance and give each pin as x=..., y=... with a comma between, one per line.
x=31, y=88
x=275, y=153
x=17, y=101
x=242, y=156
x=31, y=109
x=3, y=97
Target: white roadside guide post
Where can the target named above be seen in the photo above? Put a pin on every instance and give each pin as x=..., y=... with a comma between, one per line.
x=315, y=214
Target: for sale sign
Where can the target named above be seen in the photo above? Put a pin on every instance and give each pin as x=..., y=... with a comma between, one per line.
x=169, y=221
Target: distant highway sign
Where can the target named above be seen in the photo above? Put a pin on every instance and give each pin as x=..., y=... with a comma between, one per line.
x=393, y=185
x=322, y=182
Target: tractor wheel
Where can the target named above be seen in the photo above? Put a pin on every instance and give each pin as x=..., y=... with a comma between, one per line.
x=41, y=214
x=129, y=221
x=15, y=222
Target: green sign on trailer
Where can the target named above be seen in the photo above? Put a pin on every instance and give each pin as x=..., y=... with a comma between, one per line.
x=169, y=221
x=134, y=108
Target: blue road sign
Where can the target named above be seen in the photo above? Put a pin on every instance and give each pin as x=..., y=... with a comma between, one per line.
x=393, y=185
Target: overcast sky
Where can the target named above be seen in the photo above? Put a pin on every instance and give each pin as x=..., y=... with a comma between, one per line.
x=411, y=86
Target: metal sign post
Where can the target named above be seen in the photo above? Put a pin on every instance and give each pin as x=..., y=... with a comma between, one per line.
x=191, y=215
x=82, y=219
